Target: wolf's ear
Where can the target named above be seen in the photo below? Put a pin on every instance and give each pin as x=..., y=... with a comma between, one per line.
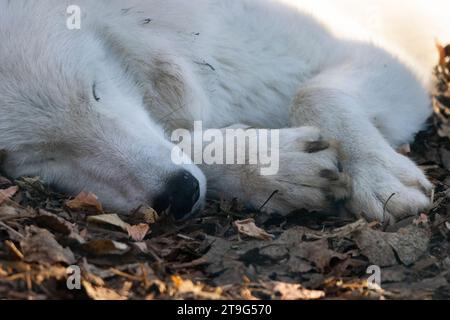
x=168, y=81
x=161, y=78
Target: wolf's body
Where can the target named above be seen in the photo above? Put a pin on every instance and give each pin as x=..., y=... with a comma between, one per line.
x=91, y=109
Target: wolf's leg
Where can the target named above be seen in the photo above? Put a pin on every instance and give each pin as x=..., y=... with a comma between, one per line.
x=308, y=175
x=371, y=110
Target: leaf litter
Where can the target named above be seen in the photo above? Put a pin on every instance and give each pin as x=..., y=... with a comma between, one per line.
x=227, y=252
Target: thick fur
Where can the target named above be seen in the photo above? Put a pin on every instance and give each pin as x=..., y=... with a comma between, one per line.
x=159, y=65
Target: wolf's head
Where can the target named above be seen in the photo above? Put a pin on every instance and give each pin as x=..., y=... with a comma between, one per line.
x=71, y=114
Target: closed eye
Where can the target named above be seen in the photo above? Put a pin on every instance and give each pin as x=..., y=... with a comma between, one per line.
x=94, y=92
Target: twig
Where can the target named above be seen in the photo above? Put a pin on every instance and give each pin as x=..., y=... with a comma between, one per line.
x=144, y=275
x=184, y=237
x=386, y=221
x=125, y=275
x=153, y=253
x=268, y=200
x=5, y=226
x=14, y=250
x=16, y=218
x=192, y=264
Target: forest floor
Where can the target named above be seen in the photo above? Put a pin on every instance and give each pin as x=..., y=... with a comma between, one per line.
x=227, y=252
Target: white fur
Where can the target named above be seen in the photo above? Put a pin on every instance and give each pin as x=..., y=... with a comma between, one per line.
x=265, y=63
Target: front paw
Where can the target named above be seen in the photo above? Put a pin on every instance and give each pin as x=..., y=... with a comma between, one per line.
x=388, y=187
x=309, y=177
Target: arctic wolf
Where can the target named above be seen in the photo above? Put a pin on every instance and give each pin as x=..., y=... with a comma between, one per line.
x=91, y=108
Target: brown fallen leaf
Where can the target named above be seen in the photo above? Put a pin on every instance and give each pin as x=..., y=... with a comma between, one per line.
x=382, y=248
x=184, y=287
x=85, y=201
x=141, y=247
x=409, y=243
x=342, y=232
x=101, y=293
x=146, y=215
x=138, y=232
x=109, y=219
x=13, y=211
x=375, y=247
x=17, y=255
x=288, y=291
x=40, y=246
x=248, y=227
x=317, y=252
x=58, y=224
x=298, y=265
x=404, y=149
x=4, y=183
x=442, y=54
x=6, y=194
x=55, y=223
x=103, y=247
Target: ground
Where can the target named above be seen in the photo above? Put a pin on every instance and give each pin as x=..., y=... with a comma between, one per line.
x=227, y=252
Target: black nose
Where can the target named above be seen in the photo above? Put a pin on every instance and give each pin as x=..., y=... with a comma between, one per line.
x=181, y=194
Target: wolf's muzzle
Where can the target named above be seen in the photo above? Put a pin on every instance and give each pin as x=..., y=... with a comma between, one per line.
x=180, y=196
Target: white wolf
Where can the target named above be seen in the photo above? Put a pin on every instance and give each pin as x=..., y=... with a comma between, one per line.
x=92, y=109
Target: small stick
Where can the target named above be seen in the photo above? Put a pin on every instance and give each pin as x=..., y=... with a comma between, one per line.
x=386, y=222
x=14, y=250
x=268, y=200
x=5, y=226
x=184, y=237
x=125, y=275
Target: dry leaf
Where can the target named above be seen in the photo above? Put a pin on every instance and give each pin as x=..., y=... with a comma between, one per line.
x=4, y=183
x=442, y=54
x=141, y=247
x=109, y=219
x=17, y=255
x=7, y=212
x=289, y=291
x=138, y=232
x=6, y=194
x=408, y=244
x=40, y=246
x=249, y=228
x=55, y=223
x=101, y=293
x=422, y=220
x=317, y=252
x=188, y=287
x=85, y=201
x=404, y=149
x=298, y=265
x=302, y=232
x=146, y=215
x=374, y=246
x=106, y=247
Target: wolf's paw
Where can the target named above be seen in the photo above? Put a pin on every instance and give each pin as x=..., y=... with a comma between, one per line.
x=388, y=187
x=309, y=175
